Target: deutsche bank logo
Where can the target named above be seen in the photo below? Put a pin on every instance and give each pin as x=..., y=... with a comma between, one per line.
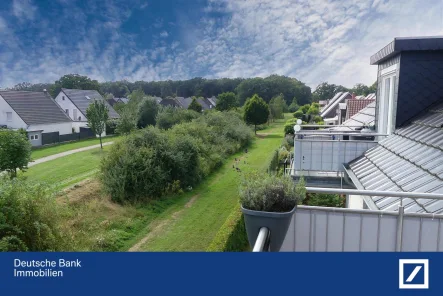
x=414, y=274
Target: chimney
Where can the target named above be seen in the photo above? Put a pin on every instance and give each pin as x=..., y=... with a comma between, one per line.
x=353, y=95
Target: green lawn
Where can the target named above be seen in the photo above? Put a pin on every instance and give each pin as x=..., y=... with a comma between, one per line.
x=67, y=170
x=46, y=151
x=192, y=228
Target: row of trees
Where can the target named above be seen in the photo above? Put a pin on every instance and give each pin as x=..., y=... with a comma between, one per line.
x=325, y=91
x=267, y=88
x=290, y=89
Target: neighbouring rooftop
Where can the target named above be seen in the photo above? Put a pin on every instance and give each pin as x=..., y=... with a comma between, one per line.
x=411, y=160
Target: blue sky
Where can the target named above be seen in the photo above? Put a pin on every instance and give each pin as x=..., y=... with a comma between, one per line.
x=314, y=40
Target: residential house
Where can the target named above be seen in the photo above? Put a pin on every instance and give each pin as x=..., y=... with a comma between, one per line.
x=395, y=172
x=171, y=102
x=35, y=112
x=331, y=113
x=75, y=102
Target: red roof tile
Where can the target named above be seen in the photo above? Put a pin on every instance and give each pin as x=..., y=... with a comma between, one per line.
x=354, y=106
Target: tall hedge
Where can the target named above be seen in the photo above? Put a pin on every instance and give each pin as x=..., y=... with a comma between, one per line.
x=145, y=163
x=232, y=235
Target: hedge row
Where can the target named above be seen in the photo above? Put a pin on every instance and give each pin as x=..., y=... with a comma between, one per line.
x=232, y=235
x=153, y=162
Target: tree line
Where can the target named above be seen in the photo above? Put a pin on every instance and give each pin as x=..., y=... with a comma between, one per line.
x=290, y=89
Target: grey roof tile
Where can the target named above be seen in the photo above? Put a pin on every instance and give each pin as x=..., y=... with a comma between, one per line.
x=411, y=160
x=82, y=99
x=35, y=107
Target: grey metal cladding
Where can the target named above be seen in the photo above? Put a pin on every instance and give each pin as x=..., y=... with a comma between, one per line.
x=80, y=100
x=35, y=107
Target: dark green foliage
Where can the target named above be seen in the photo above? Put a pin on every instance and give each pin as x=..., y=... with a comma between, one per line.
x=256, y=111
x=277, y=107
x=270, y=193
x=145, y=164
x=169, y=116
x=74, y=81
x=298, y=114
x=274, y=85
x=273, y=162
x=325, y=91
x=195, y=106
x=305, y=108
x=294, y=106
x=325, y=200
x=226, y=101
x=111, y=125
x=29, y=217
x=15, y=151
x=232, y=235
x=147, y=113
x=318, y=119
x=98, y=114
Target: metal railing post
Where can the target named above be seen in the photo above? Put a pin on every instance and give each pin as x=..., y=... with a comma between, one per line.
x=401, y=212
x=263, y=240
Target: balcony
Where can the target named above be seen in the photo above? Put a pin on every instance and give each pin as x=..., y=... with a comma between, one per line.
x=320, y=154
x=322, y=229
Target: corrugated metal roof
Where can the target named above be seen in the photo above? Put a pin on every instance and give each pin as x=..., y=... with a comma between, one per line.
x=327, y=110
x=410, y=160
x=35, y=107
x=82, y=99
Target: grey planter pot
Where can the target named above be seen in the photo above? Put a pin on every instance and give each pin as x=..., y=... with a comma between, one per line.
x=277, y=223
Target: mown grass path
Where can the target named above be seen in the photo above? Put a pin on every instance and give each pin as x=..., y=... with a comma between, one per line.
x=203, y=211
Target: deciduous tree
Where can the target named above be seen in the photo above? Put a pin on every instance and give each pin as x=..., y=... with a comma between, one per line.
x=256, y=111
x=97, y=114
x=226, y=101
x=195, y=105
x=15, y=151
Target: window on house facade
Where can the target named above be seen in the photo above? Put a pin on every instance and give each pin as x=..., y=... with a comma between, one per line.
x=67, y=111
x=34, y=137
x=9, y=116
x=63, y=98
x=386, y=111
x=74, y=113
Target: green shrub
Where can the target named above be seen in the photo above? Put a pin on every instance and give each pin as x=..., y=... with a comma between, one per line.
x=318, y=119
x=298, y=114
x=304, y=108
x=232, y=235
x=325, y=200
x=152, y=162
x=29, y=217
x=273, y=162
x=270, y=193
x=168, y=116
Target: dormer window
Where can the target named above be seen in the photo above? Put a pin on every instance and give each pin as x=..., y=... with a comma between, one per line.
x=386, y=108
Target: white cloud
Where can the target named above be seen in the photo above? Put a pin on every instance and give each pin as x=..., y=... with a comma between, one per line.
x=23, y=9
x=313, y=41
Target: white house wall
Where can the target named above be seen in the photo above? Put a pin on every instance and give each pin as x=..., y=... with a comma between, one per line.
x=67, y=104
x=63, y=127
x=16, y=122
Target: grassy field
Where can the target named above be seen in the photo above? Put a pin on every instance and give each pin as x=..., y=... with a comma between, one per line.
x=193, y=227
x=67, y=170
x=46, y=151
x=186, y=222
